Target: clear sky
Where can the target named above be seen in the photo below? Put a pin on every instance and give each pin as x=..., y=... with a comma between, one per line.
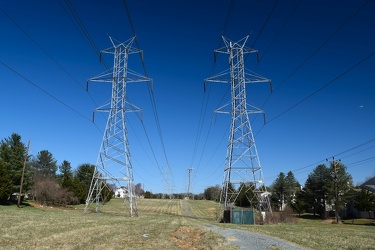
x=318, y=54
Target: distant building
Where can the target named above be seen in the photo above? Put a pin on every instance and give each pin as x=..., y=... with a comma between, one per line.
x=122, y=192
x=369, y=185
x=352, y=211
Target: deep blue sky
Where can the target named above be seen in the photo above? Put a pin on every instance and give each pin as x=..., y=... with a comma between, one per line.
x=300, y=52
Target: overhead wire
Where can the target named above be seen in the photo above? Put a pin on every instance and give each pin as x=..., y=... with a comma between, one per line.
x=278, y=33
x=150, y=92
x=307, y=168
x=49, y=55
x=150, y=87
x=326, y=41
x=205, y=100
x=47, y=93
x=327, y=84
x=320, y=89
x=270, y=45
x=323, y=44
x=83, y=30
x=350, y=165
x=140, y=143
x=264, y=25
x=226, y=23
x=315, y=51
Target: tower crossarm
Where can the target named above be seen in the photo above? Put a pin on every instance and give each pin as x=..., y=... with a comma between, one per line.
x=242, y=160
x=114, y=154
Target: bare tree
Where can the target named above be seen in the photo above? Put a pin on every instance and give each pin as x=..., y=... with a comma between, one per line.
x=138, y=189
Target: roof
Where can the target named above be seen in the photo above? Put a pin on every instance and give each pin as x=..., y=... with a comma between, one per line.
x=369, y=185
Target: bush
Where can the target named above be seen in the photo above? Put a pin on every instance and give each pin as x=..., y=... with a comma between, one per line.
x=48, y=192
x=285, y=216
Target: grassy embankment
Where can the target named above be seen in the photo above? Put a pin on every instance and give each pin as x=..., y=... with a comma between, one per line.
x=162, y=224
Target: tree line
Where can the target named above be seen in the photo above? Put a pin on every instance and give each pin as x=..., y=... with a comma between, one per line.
x=44, y=180
x=318, y=195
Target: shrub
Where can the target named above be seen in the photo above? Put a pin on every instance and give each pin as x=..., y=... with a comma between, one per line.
x=48, y=192
x=285, y=216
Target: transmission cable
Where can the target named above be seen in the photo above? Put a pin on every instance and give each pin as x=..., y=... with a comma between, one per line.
x=230, y=10
x=335, y=155
x=264, y=25
x=150, y=91
x=323, y=44
x=227, y=19
x=321, y=88
x=47, y=93
x=205, y=99
x=316, y=51
x=150, y=87
x=279, y=32
x=82, y=29
x=49, y=55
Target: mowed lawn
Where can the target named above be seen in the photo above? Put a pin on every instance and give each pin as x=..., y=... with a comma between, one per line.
x=161, y=224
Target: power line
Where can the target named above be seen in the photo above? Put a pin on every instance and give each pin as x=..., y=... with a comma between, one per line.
x=151, y=94
x=82, y=29
x=200, y=123
x=323, y=44
x=264, y=24
x=321, y=88
x=336, y=155
x=315, y=51
x=204, y=105
x=360, y=162
x=47, y=93
x=150, y=90
x=49, y=55
x=227, y=19
x=279, y=32
x=41, y=48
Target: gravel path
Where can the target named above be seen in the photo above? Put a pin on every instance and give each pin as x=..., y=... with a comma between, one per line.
x=254, y=241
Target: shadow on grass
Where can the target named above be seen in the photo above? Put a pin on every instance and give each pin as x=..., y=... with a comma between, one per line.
x=309, y=217
x=359, y=222
x=14, y=203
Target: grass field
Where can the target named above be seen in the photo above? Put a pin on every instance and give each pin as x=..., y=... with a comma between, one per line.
x=161, y=224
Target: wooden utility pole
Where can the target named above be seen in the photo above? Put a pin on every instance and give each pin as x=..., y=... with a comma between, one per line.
x=23, y=173
x=335, y=179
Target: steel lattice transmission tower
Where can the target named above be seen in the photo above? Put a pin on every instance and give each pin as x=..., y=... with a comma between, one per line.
x=189, y=184
x=243, y=171
x=168, y=187
x=114, y=159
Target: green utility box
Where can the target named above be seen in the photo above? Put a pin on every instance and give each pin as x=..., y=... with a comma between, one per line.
x=242, y=216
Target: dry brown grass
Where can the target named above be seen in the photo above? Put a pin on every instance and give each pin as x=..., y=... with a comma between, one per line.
x=161, y=225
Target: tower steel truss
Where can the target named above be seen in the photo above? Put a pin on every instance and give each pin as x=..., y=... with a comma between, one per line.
x=188, y=192
x=243, y=171
x=114, y=159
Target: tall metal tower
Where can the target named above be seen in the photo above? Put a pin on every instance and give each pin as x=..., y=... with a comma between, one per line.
x=189, y=183
x=168, y=186
x=114, y=159
x=243, y=172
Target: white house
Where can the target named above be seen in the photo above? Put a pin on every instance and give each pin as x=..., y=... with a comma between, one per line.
x=121, y=192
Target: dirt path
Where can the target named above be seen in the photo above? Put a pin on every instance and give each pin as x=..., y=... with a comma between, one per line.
x=186, y=208
x=244, y=239
x=249, y=240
